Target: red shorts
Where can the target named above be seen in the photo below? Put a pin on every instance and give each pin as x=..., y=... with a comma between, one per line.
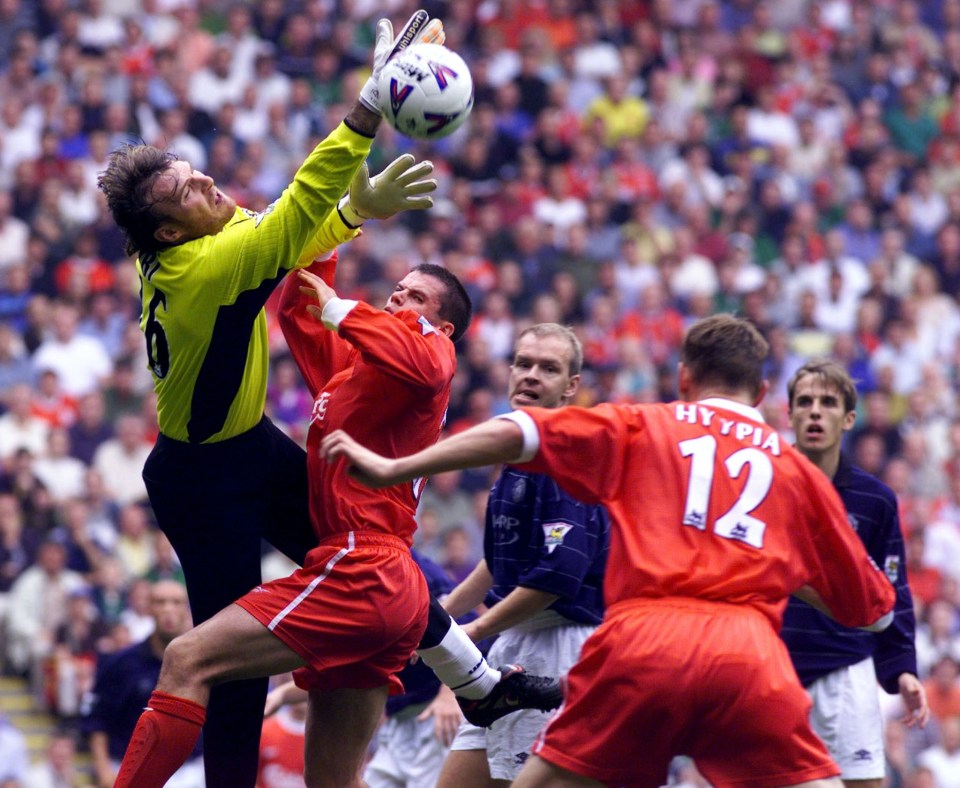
x=355, y=612
x=684, y=677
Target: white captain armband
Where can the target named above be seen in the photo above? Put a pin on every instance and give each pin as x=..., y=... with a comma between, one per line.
x=348, y=213
x=335, y=310
x=531, y=435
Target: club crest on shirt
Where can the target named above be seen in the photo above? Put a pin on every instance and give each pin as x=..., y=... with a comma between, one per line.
x=891, y=567
x=259, y=216
x=553, y=534
x=519, y=490
x=320, y=408
x=425, y=326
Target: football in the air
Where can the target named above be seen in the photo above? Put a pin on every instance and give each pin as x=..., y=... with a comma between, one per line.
x=426, y=91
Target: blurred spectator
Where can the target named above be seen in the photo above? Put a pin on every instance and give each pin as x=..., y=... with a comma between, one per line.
x=78, y=206
x=135, y=544
x=281, y=746
x=59, y=765
x=14, y=755
x=38, y=606
x=446, y=502
x=217, y=83
x=109, y=589
x=122, y=396
x=13, y=235
x=174, y=135
x=81, y=362
x=494, y=325
x=460, y=552
x=70, y=668
x=137, y=615
x=877, y=420
x=615, y=112
x=20, y=140
x=911, y=124
x=104, y=320
x=61, y=474
x=165, y=565
x=15, y=366
x=19, y=427
x=558, y=208
x=91, y=428
x=51, y=403
x=702, y=184
x=34, y=498
x=943, y=760
x=926, y=582
x=289, y=401
x=123, y=684
x=86, y=548
x=18, y=548
x=120, y=460
x=938, y=635
x=657, y=325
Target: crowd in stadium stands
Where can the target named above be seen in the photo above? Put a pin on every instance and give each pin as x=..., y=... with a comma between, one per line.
x=628, y=167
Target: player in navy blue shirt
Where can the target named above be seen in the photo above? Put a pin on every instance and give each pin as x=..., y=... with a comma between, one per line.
x=839, y=666
x=542, y=570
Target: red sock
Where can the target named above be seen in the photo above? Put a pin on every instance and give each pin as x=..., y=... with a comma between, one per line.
x=166, y=734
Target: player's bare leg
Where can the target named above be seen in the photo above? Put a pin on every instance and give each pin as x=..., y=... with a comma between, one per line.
x=231, y=645
x=340, y=725
x=465, y=769
x=538, y=773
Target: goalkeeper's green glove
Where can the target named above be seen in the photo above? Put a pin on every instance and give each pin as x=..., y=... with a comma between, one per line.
x=418, y=29
x=402, y=186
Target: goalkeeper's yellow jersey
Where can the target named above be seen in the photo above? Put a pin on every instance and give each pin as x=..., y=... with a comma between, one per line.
x=202, y=302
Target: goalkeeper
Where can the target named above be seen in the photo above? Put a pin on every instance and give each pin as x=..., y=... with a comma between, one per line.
x=221, y=476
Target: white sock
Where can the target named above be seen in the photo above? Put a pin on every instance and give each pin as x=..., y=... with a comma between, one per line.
x=459, y=664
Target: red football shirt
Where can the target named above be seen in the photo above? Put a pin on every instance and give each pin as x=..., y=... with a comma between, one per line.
x=383, y=378
x=709, y=502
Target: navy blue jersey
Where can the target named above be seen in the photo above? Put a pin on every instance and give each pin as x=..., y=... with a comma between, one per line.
x=817, y=644
x=121, y=690
x=419, y=682
x=538, y=537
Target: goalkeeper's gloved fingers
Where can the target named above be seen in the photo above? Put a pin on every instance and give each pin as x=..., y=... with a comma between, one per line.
x=433, y=33
x=404, y=169
x=401, y=186
x=387, y=46
x=414, y=28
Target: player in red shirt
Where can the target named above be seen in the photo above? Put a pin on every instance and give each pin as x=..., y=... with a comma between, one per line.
x=351, y=617
x=716, y=522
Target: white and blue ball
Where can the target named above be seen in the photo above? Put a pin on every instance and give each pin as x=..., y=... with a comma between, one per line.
x=426, y=91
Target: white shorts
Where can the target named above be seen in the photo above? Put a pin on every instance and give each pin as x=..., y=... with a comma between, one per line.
x=546, y=645
x=408, y=755
x=846, y=715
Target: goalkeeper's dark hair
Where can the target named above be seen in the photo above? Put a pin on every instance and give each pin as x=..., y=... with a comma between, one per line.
x=128, y=181
x=455, y=304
